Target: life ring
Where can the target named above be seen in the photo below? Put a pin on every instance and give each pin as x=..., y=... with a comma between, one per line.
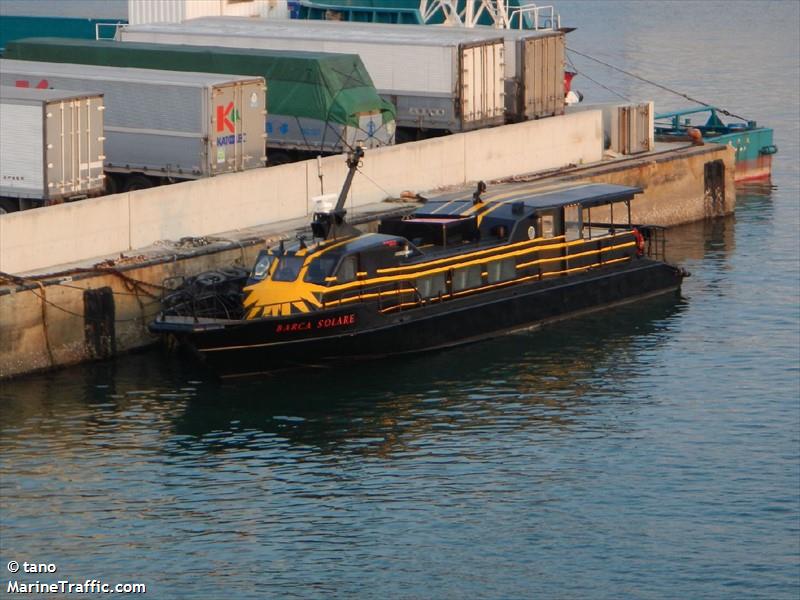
x=639, y=241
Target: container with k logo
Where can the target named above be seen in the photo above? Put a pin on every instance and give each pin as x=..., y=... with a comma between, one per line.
x=226, y=117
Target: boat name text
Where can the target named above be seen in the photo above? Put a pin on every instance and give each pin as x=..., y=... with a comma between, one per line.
x=326, y=323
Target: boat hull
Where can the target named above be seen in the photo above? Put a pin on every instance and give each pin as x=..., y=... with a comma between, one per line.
x=753, y=147
x=364, y=331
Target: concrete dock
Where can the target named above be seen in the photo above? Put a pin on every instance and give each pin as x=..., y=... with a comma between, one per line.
x=81, y=281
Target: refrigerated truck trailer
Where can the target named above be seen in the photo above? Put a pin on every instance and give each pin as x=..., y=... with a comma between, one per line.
x=51, y=147
x=319, y=103
x=534, y=69
x=533, y=60
x=163, y=126
x=445, y=83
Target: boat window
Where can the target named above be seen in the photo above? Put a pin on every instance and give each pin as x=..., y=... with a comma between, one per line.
x=595, y=222
x=572, y=222
x=288, y=268
x=383, y=257
x=466, y=277
x=261, y=268
x=502, y=270
x=432, y=285
x=321, y=267
x=347, y=270
x=546, y=226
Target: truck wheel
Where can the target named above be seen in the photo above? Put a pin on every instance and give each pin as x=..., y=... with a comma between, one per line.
x=138, y=182
x=111, y=185
x=8, y=206
x=278, y=158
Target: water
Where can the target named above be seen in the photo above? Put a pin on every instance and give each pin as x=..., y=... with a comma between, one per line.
x=648, y=452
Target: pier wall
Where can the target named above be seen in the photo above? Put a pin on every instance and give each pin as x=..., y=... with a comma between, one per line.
x=47, y=326
x=674, y=184
x=73, y=232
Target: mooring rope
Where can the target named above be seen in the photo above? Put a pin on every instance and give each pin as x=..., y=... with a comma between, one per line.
x=658, y=85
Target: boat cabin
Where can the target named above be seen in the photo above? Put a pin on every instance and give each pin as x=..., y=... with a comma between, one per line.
x=452, y=223
x=449, y=247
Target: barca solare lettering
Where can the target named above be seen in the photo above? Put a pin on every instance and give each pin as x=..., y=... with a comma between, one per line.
x=336, y=321
x=326, y=323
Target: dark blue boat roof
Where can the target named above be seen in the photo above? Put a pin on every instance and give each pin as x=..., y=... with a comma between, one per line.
x=588, y=195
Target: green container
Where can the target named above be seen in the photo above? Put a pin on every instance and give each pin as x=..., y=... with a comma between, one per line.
x=307, y=86
x=14, y=27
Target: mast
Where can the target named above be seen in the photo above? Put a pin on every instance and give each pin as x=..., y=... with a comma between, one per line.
x=332, y=224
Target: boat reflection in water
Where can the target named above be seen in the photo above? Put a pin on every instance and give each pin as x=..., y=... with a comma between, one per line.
x=547, y=379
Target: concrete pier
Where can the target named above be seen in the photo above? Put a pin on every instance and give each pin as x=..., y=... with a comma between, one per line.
x=97, y=306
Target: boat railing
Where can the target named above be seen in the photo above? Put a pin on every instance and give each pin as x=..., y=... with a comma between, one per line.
x=655, y=241
x=539, y=17
x=504, y=268
x=99, y=28
x=593, y=252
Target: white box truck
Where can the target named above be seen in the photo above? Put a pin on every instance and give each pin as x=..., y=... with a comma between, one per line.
x=163, y=126
x=51, y=147
x=448, y=82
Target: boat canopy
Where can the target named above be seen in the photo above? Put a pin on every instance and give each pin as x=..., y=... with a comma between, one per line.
x=588, y=196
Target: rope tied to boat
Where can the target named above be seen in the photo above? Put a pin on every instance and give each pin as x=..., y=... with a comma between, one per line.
x=658, y=85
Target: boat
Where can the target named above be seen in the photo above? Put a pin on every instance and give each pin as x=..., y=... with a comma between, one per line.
x=753, y=144
x=505, y=14
x=460, y=268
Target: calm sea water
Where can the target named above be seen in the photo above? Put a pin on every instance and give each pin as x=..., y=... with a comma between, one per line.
x=648, y=452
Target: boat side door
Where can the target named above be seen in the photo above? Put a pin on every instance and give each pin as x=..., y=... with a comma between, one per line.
x=550, y=226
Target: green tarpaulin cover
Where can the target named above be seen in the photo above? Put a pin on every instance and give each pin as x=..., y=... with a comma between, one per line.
x=318, y=85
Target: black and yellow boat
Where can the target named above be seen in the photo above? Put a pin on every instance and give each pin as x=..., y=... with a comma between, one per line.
x=456, y=270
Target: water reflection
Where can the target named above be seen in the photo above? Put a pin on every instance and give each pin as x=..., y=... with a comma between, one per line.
x=546, y=378
x=710, y=240
x=754, y=202
x=542, y=379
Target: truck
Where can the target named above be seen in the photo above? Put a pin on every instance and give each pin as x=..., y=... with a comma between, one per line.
x=534, y=72
x=162, y=126
x=51, y=147
x=319, y=103
x=449, y=82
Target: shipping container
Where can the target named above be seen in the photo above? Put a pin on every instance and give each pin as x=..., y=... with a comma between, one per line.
x=175, y=11
x=535, y=73
x=166, y=125
x=627, y=128
x=453, y=81
x=51, y=146
x=318, y=102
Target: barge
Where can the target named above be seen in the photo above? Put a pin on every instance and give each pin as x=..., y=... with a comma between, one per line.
x=753, y=145
x=456, y=270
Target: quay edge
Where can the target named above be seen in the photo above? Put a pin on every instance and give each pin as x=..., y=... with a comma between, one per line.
x=51, y=321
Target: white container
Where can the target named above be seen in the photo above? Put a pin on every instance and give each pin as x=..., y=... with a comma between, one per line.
x=165, y=124
x=627, y=128
x=446, y=80
x=176, y=11
x=535, y=73
x=51, y=144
